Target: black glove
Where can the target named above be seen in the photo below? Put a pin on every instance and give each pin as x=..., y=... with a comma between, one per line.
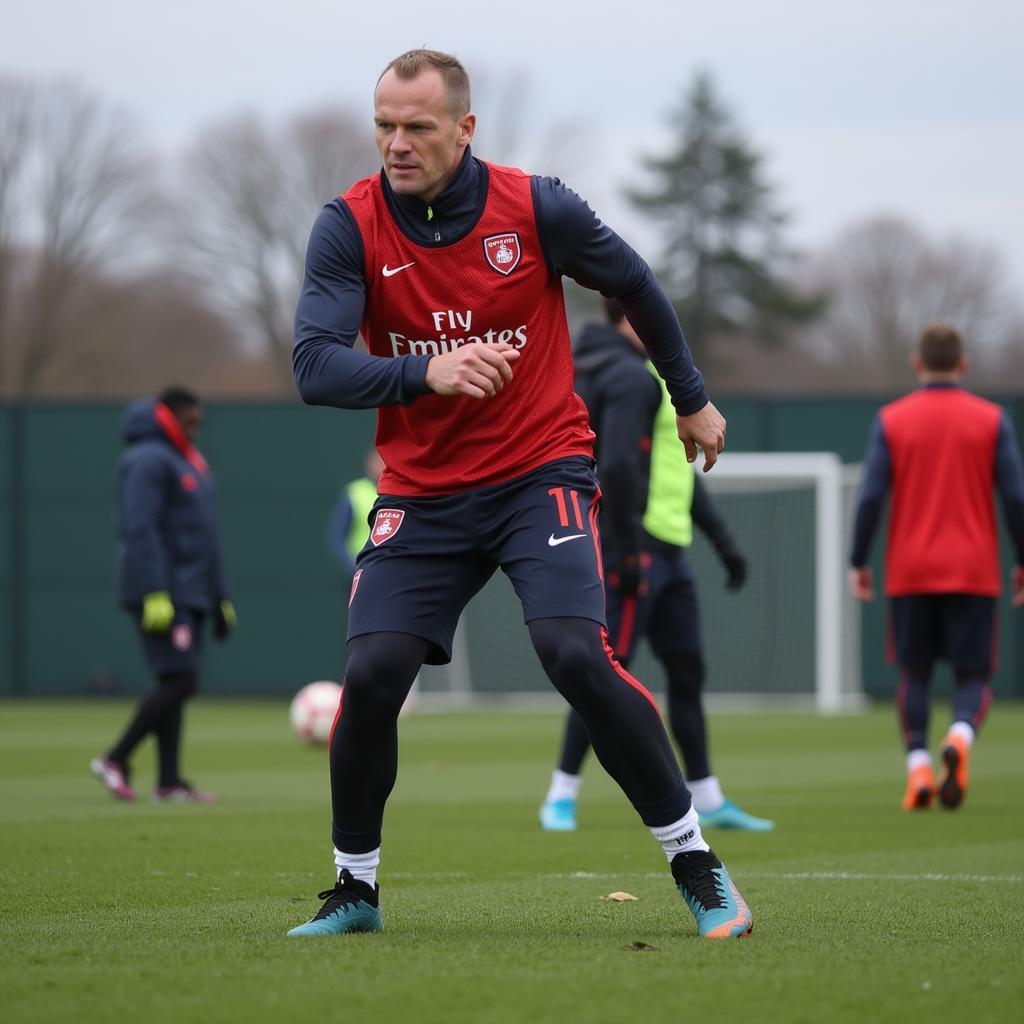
x=736, y=566
x=224, y=619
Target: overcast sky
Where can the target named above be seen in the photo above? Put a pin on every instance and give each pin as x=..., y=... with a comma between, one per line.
x=881, y=106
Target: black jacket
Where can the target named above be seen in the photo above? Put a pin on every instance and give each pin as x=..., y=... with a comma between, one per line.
x=622, y=397
x=167, y=533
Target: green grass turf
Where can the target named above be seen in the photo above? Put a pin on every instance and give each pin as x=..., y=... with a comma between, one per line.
x=114, y=912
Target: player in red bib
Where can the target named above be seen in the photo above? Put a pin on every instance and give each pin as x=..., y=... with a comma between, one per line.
x=451, y=269
x=943, y=453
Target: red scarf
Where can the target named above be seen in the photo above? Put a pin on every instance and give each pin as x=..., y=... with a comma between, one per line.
x=169, y=424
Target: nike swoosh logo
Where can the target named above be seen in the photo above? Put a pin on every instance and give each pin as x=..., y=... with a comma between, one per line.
x=388, y=272
x=554, y=541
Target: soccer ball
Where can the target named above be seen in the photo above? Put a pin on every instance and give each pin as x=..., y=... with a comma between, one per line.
x=312, y=711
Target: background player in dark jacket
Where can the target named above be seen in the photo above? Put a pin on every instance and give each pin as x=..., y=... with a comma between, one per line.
x=943, y=452
x=651, y=499
x=170, y=578
x=451, y=269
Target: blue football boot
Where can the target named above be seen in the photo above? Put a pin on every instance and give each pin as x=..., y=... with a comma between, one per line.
x=351, y=906
x=728, y=815
x=718, y=908
x=558, y=815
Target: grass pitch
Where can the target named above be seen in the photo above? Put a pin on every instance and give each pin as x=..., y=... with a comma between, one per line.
x=115, y=912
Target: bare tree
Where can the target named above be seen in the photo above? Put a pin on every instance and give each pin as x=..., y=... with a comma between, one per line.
x=509, y=132
x=15, y=135
x=84, y=195
x=135, y=336
x=251, y=194
x=886, y=280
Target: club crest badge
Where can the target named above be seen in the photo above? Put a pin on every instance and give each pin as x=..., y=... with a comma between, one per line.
x=181, y=637
x=503, y=252
x=386, y=525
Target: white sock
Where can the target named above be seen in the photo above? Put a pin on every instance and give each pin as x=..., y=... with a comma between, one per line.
x=918, y=759
x=361, y=865
x=964, y=729
x=707, y=793
x=563, y=786
x=683, y=836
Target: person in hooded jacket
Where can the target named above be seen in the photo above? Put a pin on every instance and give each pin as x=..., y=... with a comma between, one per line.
x=170, y=578
x=651, y=500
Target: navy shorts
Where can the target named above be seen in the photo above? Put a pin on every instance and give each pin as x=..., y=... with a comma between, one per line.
x=960, y=628
x=665, y=610
x=178, y=650
x=426, y=557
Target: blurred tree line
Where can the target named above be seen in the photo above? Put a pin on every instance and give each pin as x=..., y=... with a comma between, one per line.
x=121, y=271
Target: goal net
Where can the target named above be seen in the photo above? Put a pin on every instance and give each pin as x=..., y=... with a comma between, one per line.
x=791, y=634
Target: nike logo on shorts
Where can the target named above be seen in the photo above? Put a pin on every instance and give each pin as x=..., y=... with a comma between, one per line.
x=389, y=272
x=554, y=541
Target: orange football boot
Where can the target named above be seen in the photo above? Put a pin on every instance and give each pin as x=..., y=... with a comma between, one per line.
x=953, y=787
x=920, y=789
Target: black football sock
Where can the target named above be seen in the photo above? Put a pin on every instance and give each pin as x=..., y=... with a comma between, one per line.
x=971, y=700
x=912, y=700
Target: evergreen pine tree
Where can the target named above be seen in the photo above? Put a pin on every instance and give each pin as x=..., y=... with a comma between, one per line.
x=722, y=256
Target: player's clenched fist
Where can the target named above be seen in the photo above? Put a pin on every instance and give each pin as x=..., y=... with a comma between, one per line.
x=703, y=429
x=478, y=370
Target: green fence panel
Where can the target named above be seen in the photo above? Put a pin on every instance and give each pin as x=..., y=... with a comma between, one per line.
x=811, y=425
x=10, y=586
x=279, y=468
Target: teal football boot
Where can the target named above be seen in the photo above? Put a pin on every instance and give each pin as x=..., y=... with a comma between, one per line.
x=728, y=815
x=718, y=908
x=351, y=906
x=558, y=815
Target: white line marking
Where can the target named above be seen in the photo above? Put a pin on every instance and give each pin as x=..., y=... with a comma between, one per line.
x=842, y=876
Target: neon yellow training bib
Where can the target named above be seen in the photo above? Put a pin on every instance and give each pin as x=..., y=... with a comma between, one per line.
x=670, y=492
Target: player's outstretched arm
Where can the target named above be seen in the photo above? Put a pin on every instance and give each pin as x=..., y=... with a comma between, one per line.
x=703, y=429
x=477, y=370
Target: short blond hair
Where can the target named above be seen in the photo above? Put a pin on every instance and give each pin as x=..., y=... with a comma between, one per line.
x=456, y=82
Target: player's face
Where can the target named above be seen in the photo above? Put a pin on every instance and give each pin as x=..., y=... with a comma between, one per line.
x=420, y=140
x=191, y=419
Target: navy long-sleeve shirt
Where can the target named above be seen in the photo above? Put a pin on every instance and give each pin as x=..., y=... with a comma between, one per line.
x=575, y=243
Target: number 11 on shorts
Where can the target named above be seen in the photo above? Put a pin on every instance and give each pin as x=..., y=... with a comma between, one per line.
x=558, y=493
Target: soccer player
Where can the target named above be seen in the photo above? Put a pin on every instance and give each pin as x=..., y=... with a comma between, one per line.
x=942, y=452
x=170, y=577
x=451, y=268
x=348, y=526
x=652, y=498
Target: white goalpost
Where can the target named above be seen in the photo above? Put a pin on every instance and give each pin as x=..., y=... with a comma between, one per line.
x=838, y=685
